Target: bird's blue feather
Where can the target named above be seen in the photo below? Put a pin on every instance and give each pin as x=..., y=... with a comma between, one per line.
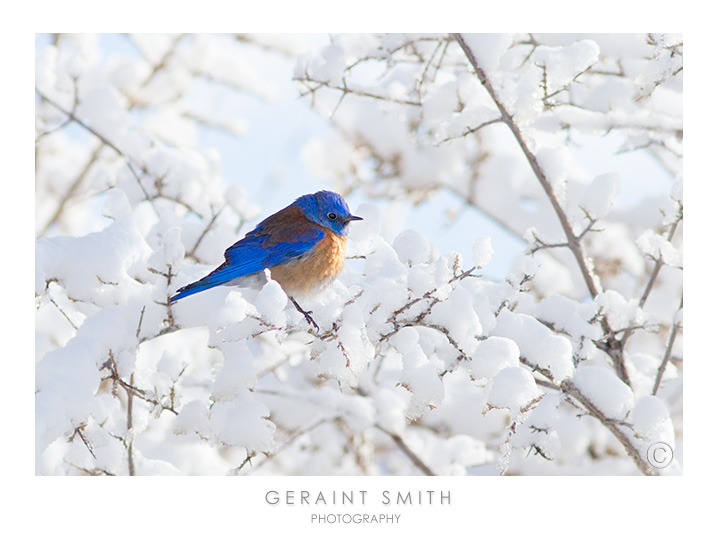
x=251, y=255
x=282, y=237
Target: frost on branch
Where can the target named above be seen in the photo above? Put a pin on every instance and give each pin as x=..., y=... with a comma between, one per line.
x=569, y=363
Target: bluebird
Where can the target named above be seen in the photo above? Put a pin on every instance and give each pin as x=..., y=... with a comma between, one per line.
x=303, y=246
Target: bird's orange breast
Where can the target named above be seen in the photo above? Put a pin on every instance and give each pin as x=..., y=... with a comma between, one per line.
x=314, y=269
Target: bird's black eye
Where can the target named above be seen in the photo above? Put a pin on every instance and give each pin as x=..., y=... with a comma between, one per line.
x=331, y=216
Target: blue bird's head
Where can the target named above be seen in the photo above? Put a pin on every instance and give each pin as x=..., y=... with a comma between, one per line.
x=327, y=209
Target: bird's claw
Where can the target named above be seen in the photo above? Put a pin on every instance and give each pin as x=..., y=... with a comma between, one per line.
x=306, y=314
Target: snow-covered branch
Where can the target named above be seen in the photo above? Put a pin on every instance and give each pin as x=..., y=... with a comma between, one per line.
x=417, y=359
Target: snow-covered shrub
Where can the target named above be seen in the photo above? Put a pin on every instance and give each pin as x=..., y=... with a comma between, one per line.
x=570, y=364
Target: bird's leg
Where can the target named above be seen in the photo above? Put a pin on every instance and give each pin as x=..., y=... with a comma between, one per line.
x=306, y=314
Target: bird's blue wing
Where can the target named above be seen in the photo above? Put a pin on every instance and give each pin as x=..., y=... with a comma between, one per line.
x=255, y=253
x=278, y=239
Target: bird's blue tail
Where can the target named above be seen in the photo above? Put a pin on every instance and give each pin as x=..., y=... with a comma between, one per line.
x=194, y=288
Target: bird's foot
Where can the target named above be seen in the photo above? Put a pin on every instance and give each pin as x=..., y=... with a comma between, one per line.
x=304, y=313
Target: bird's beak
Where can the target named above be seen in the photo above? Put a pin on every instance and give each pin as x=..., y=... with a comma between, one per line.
x=354, y=218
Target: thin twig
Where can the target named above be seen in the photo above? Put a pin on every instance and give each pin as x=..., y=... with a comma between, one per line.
x=130, y=434
x=574, y=244
x=470, y=130
x=307, y=81
x=407, y=451
x=568, y=387
x=658, y=264
x=205, y=231
x=284, y=446
x=139, y=323
x=64, y=314
x=128, y=160
x=571, y=389
x=78, y=431
x=668, y=351
x=71, y=190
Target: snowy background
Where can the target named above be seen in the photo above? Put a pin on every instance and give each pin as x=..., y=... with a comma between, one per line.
x=512, y=301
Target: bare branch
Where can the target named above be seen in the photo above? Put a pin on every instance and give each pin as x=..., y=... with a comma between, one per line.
x=571, y=389
x=128, y=160
x=668, y=351
x=407, y=451
x=471, y=130
x=62, y=312
x=287, y=443
x=130, y=432
x=568, y=387
x=207, y=229
x=65, y=199
x=573, y=242
x=78, y=432
x=658, y=264
x=308, y=82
